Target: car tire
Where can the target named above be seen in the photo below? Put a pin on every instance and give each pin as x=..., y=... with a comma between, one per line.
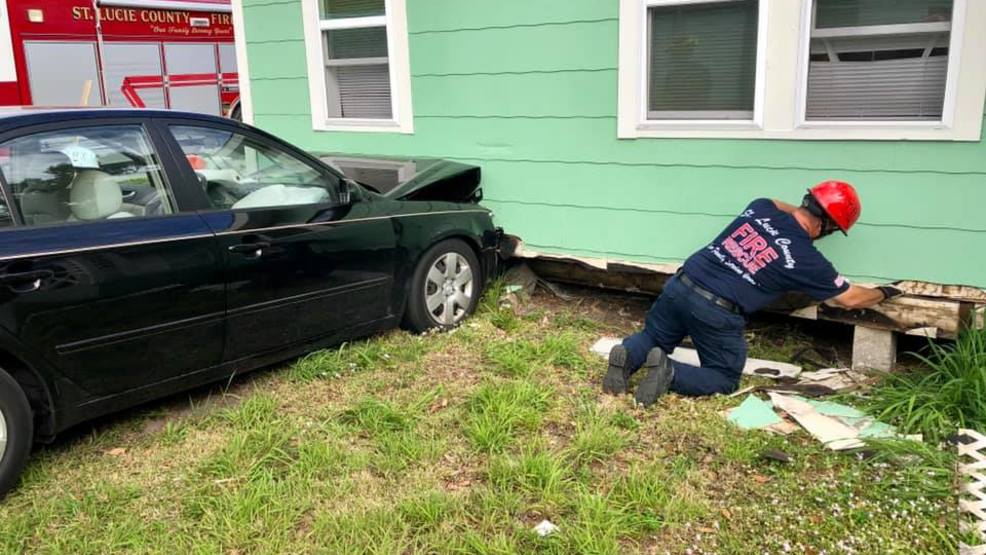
x=440, y=297
x=16, y=432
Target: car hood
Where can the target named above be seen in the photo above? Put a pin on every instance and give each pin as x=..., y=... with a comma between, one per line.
x=411, y=178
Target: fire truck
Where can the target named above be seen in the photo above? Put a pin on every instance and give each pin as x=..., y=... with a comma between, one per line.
x=175, y=54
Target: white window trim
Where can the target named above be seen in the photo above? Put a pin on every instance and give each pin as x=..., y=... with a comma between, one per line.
x=242, y=62
x=636, y=87
x=782, y=87
x=956, y=29
x=398, y=59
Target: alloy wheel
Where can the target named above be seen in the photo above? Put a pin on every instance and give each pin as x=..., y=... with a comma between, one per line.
x=449, y=289
x=3, y=435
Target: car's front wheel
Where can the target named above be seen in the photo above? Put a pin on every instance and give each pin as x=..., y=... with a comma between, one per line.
x=445, y=287
x=16, y=432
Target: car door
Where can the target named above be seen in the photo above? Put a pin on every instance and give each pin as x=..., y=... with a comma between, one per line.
x=101, y=274
x=300, y=262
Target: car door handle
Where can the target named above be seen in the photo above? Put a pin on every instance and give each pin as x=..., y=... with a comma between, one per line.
x=26, y=282
x=253, y=249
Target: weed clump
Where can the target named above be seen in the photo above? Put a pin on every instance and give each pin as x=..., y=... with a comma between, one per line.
x=936, y=402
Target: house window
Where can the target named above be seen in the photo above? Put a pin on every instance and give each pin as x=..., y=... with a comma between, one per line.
x=702, y=60
x=358, y=65
x=878, y=61
x=824, y=70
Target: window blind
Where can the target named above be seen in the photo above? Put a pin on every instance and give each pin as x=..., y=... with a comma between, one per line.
x=702, y=60
x=908, y=89
x=363, y=91
x=357, y=73
x=895, y=72
x=338, y=9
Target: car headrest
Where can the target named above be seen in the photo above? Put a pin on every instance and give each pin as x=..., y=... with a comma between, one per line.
x=47, y=171
x=95, y=195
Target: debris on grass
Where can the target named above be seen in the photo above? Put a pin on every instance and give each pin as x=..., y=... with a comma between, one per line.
x=836, y=379
x=831, y=431
x=753, y=414
x=545, y=528
x=837, y=426
x=520, y=279
x=776, y=455
x=604, y=345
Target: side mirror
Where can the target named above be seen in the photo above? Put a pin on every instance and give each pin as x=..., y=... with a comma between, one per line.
x=346, y=190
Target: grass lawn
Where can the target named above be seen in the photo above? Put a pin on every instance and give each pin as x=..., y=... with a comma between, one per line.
x=463, y=442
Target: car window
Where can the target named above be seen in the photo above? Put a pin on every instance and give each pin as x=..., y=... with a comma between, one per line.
x=239, y=172
x=84, y=174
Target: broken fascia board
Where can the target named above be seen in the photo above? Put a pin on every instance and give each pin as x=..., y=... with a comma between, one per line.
x=690, y=356
x=945, y=291
x=832, y=432
x=910, y=287
x=598, y=263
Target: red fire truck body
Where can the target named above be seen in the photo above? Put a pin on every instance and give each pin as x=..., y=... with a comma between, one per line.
x=124, y=53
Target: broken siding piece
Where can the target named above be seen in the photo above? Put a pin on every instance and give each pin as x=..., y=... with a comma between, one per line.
x=832, y=432
x=753, y=414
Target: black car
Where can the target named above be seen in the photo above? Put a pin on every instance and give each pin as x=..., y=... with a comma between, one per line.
x=147, y=252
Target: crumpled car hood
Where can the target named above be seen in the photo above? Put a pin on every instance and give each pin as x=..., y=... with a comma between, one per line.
x=426, y=179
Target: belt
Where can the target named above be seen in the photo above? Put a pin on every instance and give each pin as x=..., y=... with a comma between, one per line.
x=708, y=295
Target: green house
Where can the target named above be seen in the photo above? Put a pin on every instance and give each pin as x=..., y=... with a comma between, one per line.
x=633, y=130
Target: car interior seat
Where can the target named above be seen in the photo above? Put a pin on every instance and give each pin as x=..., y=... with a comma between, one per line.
x=96, y=196
x=44, y=187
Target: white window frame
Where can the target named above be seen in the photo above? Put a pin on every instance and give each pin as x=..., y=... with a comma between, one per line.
x=956, y=29
x=636, y=85
x=395, y=20
x=782, y=65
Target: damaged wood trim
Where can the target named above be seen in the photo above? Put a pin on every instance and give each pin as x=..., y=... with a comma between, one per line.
x=923, y=311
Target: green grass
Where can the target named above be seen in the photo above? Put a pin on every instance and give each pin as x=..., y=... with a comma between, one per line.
x=462, y=443
x=497, y=412
x=936, y=401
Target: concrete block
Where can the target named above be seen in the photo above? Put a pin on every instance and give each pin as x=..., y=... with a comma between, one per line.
x=873, y=349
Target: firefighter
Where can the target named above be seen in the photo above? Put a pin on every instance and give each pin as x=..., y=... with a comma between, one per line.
x=765, y=252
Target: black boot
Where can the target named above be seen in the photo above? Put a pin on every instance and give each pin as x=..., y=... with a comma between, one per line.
x=615, y=382
x=658, y=378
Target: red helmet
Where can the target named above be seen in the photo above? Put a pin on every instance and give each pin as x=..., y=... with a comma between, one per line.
x=840, y=202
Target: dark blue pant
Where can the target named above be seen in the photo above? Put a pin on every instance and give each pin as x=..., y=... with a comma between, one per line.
x=716, y=332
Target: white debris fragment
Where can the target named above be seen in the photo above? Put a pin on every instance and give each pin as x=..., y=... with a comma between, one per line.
x=834, y=378
x=604, y=345
x=832, y=432
x=545, y=528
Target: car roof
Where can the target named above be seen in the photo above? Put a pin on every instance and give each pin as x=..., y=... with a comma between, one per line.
x=16, y=116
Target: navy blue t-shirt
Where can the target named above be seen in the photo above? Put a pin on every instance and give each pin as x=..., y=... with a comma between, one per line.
x=761, y=255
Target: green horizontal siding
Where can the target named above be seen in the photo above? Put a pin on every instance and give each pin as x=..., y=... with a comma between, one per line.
x=430, y=16
x=277, y=60
x=576, y=94
x=556, y=47
x=659, y=190
x=272, y=22
x=528, y=91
